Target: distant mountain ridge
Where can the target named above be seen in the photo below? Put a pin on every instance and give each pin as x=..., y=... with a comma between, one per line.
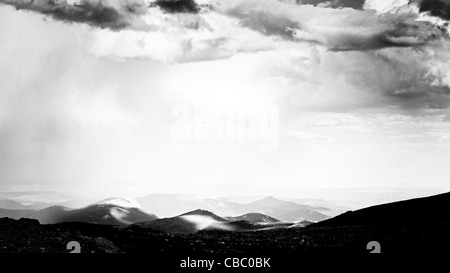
x=15, y=214
x=282, y=210
x=34, y=200
x=11, y=204
x=124, y=211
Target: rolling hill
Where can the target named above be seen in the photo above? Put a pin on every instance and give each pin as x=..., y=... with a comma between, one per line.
x=123, y=211
x=202, y=220
x=115, y=211
x=254, y=218
x=190, y=222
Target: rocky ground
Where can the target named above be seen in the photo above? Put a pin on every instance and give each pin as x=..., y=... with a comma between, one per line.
x=28, y=236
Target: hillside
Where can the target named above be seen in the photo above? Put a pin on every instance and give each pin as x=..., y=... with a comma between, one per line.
x=254, y=218
x=116, y=211
x=433, y=209
x=202, y=220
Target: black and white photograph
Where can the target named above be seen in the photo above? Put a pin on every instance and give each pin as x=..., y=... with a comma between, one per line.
x=224, y=134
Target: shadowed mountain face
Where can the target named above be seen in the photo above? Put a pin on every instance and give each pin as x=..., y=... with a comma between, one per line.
x=190, y=222
x=434, y=209
x=202, y=220
x=51, y=215
x=254, y=218
x=107, y=213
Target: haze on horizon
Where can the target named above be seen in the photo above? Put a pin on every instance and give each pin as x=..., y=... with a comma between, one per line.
x=342, y=98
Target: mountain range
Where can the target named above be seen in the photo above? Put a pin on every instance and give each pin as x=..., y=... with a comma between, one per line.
x=283, y=209
x=172, y=209
x=115, y=211
x=414, y=226
x=288, y=211
x=203, y=220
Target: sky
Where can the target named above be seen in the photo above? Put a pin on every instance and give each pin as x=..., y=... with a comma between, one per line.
x=224, y=97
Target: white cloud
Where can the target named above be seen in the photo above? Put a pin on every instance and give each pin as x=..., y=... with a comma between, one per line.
x=351, y=83
x=383, y=6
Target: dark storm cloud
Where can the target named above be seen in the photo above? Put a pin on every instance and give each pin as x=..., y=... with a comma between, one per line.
x=355, y=4
x=345, y=30
x=113, y=14
x=400, y=34
x=337, y=29
x=177, y=6
x=438, y=8
x=421, y=96
x=403, y=78
x=98, y=13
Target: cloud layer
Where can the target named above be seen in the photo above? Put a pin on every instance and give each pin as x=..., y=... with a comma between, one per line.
x=88, y=88
x=337, y=29
x=113, y=14
x=407, y=38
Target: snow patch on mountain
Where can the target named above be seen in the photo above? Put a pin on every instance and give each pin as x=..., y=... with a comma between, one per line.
x=200, y=221
x=119, y=214
x=205, y=221
x=124, y=202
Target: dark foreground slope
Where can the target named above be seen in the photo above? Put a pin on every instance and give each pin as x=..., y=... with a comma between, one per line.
x=419, y=226
x=434, y=210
